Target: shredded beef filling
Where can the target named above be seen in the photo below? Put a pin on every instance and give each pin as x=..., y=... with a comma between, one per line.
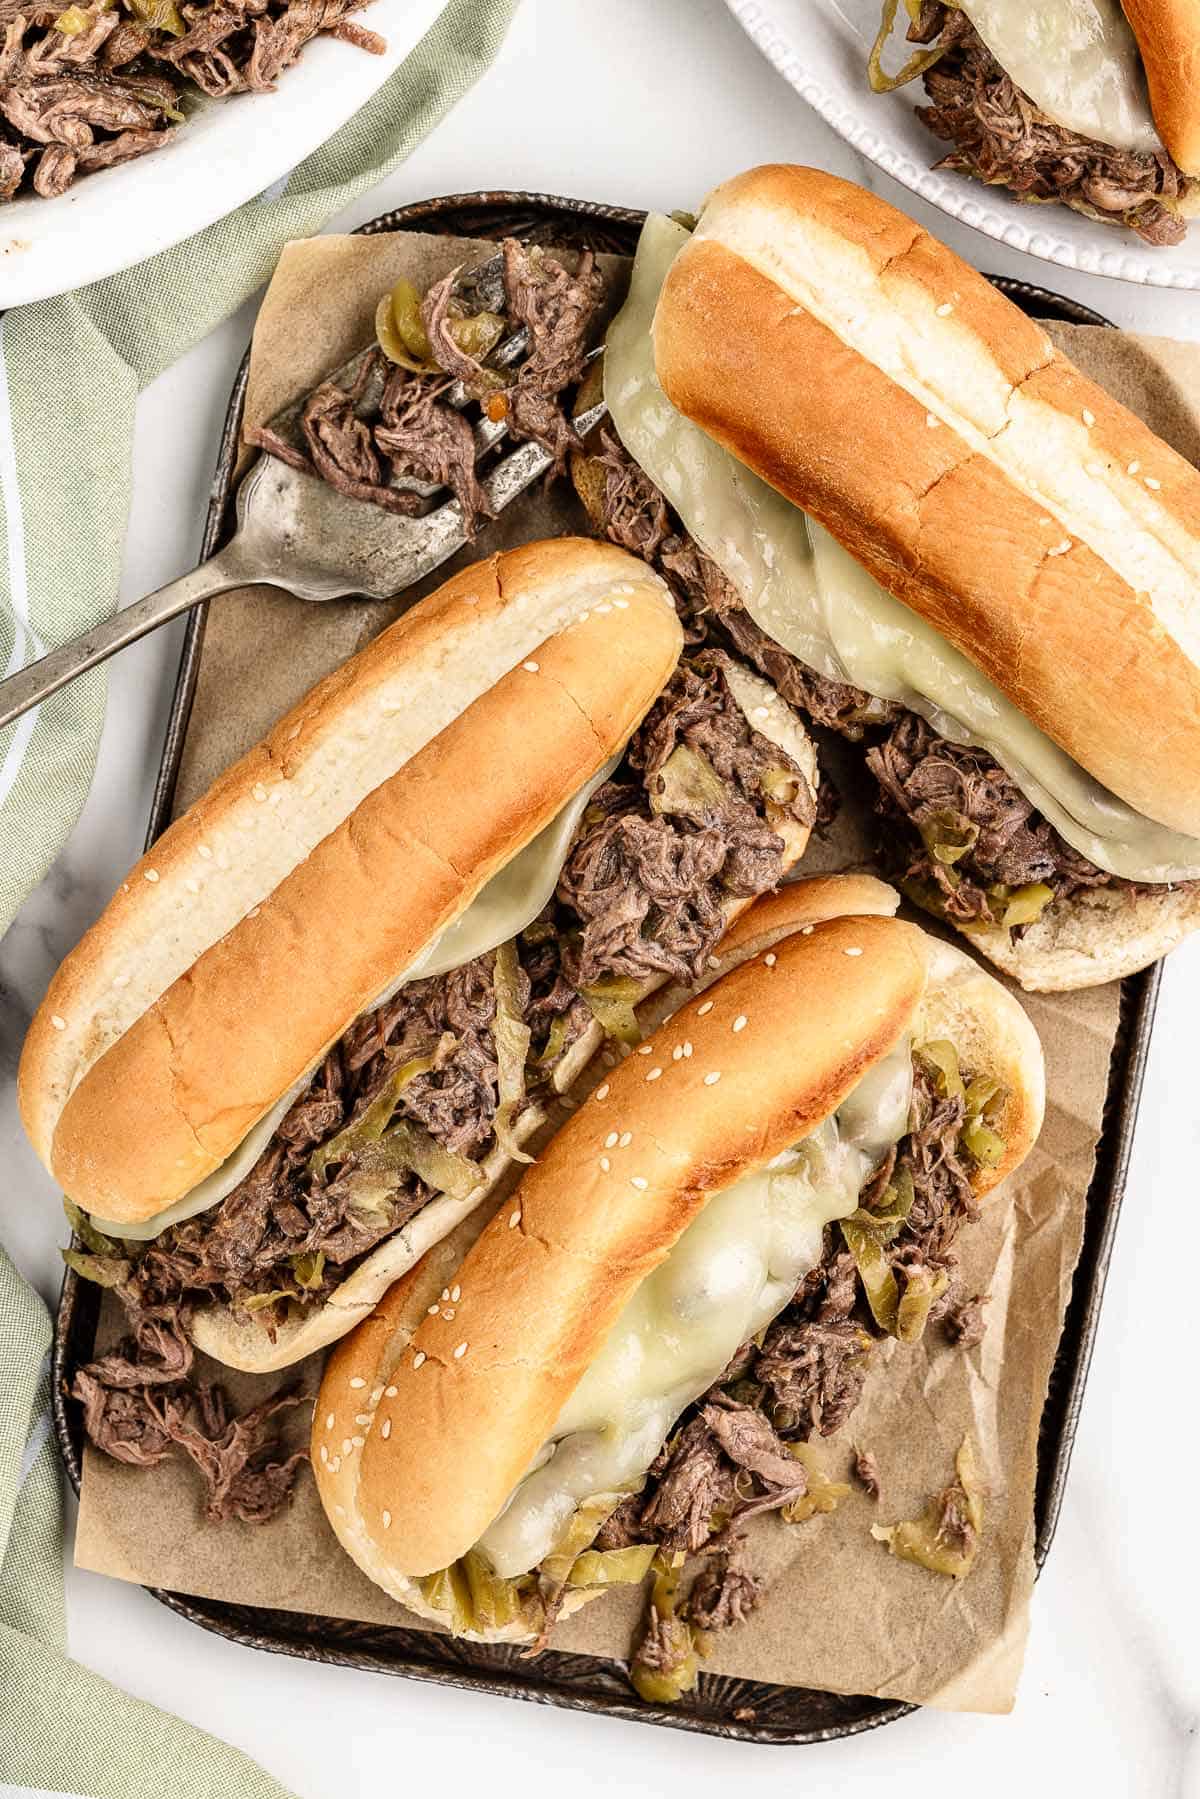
x=290, y=1232
x=394, y=427
x=728, y=1458
x=724, y=1592
x=961, y=1317
x=648, y=887
x=641, y=894
x=289, y=1235
x=1000, y=137
x=955, y=1529
x=934, y=789
x=83, y=88
x=636, y=516
x=556, y=308
x=866, y=1473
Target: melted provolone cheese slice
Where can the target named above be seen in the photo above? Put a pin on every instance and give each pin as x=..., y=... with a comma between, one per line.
x=734, y=1268
x=1077, y=60
x=812, y=597
x=511, y=900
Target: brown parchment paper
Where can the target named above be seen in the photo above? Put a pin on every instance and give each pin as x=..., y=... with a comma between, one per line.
x=840, y=1613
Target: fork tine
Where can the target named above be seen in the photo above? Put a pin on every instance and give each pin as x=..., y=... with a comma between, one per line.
x=286, y=424
x=488, y=432
x=487, y=278
x=439, y=533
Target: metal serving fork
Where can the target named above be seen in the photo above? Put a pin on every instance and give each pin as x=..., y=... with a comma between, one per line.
x=295, y=532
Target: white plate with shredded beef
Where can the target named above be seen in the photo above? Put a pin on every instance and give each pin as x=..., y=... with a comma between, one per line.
x=821, y=47
x=147, y=156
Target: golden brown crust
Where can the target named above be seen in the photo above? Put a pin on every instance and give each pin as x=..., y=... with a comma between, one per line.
x=360, y=1368
x=611, y=1194
x=177, y=1091
x=929, y=512
x=353, y=1386
x=759, y=924
x=1168, y=35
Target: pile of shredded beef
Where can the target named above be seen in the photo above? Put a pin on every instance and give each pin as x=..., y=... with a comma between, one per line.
x=248, y=1246
x=556, y=309
x=923, y=779
x=84, y=87
x=398, y=426
x=139, y=1402
x=728, y=1459
x=284, y=1218
x=1000, y=137
x=640, y=895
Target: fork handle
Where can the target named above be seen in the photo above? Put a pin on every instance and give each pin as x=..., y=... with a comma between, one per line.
x=40, y=679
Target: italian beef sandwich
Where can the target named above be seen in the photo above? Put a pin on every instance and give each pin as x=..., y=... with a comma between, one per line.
x=871, y=474
x=628, y=1359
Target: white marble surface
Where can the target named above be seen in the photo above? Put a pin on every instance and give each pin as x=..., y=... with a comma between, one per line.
x=1110, y=1703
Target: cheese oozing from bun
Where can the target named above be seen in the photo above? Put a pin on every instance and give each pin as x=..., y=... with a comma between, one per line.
x=1078, y=62
x=878, y=382
x=735, y=1267
x=224, y=968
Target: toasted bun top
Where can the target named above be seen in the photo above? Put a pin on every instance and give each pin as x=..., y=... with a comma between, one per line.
x=249, y=938
x=880, y=383
x=1168, y=35
x=617, y=1186
x=345, y=1414
x=961, y=1001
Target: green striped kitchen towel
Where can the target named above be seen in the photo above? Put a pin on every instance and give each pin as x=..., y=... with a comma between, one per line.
x=63, y=1729
x=70, y=371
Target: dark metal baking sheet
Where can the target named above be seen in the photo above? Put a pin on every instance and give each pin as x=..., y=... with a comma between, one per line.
x=755, y=1711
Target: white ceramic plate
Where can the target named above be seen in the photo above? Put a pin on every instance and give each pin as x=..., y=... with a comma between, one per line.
x=228, y=151
x=821, y=47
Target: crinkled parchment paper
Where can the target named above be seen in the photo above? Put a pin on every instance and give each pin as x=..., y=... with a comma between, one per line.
x=840, y=1613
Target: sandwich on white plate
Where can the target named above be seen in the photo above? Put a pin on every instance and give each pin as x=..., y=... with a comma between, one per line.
x=328, y=1008
x=1093, y=103
x=857, y=462
x=628, y=1360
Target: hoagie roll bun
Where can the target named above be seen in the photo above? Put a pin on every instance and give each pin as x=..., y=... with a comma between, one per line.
x=347, y=1070
x=1030, y=742
x=1168, y=36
